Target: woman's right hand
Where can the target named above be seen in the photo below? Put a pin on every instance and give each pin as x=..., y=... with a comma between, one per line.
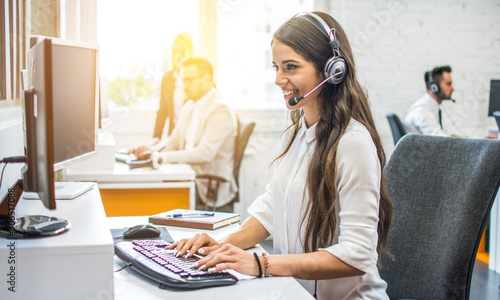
x=201, y=244
x=139, y=151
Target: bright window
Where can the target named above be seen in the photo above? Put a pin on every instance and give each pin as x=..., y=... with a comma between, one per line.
x=135, y=39
x=245, y=30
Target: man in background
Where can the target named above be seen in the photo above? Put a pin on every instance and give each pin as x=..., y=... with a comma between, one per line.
x=203, y=137
x=424, y=116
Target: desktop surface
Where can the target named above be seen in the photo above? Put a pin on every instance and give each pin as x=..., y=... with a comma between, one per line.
x=123, y=174
x=142, y=191
x=55, y=267
x=131, y=285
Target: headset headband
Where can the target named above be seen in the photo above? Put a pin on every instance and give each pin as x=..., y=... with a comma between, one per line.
x=335, y=67
x=319, y=23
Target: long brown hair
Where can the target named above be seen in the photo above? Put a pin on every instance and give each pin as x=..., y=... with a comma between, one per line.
x=336, y=106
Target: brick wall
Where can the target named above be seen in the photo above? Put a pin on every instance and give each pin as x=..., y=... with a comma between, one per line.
x=395, y=42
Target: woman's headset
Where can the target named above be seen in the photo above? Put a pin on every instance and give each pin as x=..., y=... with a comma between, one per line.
x=335, y=67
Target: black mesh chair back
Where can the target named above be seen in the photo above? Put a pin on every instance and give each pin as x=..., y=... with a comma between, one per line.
x=443, y=189
x=397, y=128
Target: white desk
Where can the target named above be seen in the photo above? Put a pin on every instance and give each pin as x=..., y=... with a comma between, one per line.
x=141, y=191
x=123, y=174
x=77, y=264
x=131, y=285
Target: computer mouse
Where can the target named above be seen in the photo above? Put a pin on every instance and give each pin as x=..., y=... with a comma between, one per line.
x=141, y=231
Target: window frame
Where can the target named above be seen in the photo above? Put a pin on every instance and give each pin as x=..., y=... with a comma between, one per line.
x=14, y=41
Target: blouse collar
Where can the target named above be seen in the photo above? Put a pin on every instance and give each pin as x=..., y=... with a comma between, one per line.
x=308, y=133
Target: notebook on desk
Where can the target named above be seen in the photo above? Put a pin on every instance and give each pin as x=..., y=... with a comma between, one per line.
x=195, y=218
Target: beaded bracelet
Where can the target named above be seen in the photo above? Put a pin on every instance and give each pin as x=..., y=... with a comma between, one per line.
x=266, y=263
x=258, y=264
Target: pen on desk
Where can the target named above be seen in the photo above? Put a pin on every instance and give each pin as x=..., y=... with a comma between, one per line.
x=190, y=215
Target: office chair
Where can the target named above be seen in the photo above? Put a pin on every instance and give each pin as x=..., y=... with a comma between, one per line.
x=443, y=189
x=245, y=129
x=397, y=128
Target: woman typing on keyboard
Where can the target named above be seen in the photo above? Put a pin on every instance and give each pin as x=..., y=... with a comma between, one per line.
x=327, y=205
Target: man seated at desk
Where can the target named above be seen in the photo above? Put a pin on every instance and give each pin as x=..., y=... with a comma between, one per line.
x=424, y=116
x=203, y=137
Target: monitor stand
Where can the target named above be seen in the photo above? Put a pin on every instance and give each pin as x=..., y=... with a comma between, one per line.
x=64, y=190
x=31, y=226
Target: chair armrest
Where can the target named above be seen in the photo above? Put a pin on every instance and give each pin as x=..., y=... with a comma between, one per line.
x=211, y=177
x=212, y=186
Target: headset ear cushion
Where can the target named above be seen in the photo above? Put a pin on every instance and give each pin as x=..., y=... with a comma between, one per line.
x=337, y=67
x=434, y=88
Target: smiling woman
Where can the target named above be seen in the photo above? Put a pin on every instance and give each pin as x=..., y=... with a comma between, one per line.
x=327, y=205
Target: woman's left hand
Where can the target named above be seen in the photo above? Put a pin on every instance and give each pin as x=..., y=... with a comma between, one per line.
x=229, y=257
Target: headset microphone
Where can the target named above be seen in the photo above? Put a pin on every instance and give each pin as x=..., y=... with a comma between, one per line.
x=295, y=100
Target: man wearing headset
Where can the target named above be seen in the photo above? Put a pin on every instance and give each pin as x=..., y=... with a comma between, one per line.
x=424, y=116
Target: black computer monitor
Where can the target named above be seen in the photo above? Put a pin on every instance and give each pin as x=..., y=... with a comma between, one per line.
x=74, y=71
x=59, y=113
x=494, y=97
x=38, y=173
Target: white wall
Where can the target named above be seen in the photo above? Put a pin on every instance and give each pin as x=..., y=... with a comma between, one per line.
x=396, y=41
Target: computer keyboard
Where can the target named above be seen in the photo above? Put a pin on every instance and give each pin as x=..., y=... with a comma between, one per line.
x=151, y=259
x=133, y=162
x=124, y=157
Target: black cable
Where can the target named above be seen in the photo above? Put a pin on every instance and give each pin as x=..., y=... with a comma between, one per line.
x=127, y=265
x=1, y=177
x=315, y=289
x=10, y=159
x=331, y=111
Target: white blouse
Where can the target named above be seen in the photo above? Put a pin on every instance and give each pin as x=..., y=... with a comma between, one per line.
x=282, y=207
